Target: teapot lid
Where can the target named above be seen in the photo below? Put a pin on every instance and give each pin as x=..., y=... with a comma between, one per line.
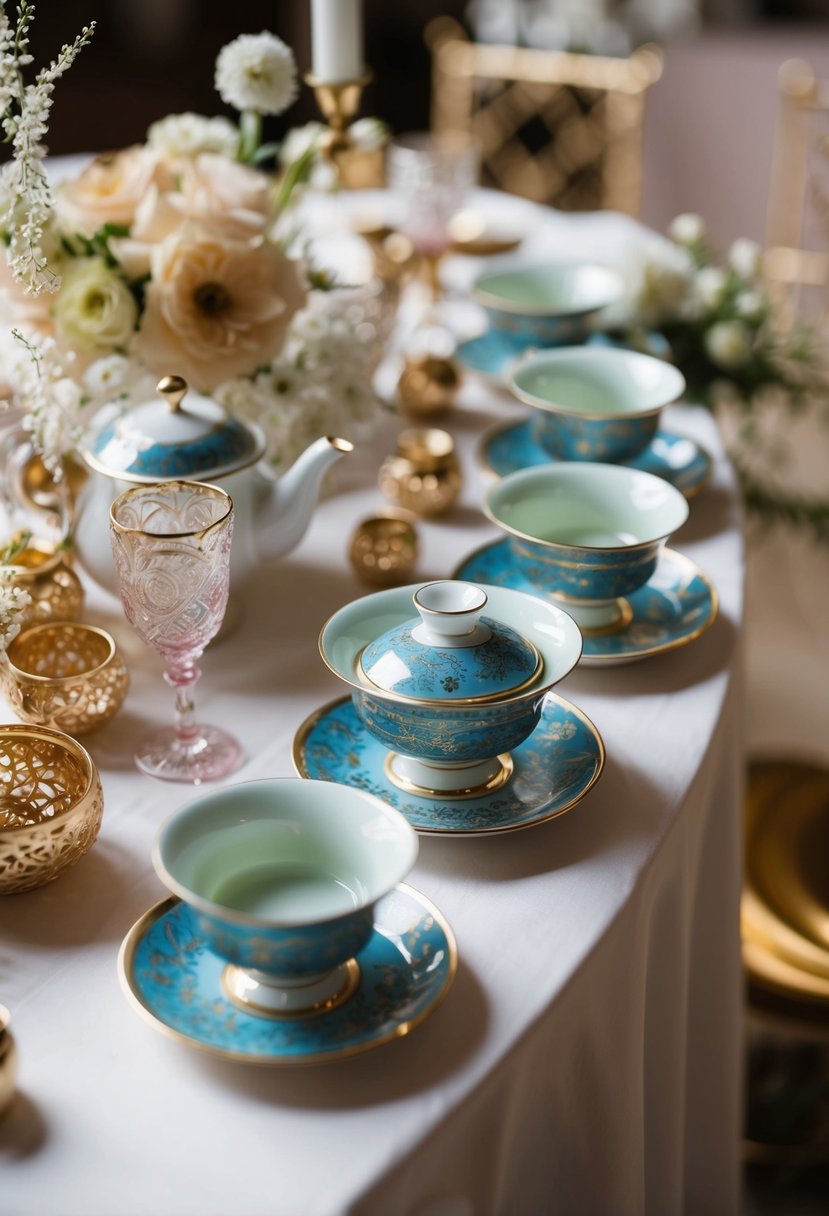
x=166, y=438
x=451, y=652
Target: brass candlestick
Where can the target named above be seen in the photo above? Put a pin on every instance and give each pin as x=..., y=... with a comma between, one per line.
x=339, y=103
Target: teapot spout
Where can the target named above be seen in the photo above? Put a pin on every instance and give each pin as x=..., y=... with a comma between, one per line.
x=287, y=505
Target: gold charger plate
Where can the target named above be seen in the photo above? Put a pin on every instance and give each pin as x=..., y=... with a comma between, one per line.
x=785, y=904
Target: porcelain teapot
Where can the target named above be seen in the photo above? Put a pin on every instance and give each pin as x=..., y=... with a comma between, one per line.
x=183, y=435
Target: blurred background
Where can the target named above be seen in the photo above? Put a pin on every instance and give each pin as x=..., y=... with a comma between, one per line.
x=709, y=123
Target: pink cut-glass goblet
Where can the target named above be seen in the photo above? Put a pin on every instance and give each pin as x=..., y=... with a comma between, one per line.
x=171, y=545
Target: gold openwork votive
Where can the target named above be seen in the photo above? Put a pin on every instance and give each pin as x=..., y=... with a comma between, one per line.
x=384, y=549
x=39, y=567
x=424, y=475
x=65, y=675
x=51, y=805
x=428, y=384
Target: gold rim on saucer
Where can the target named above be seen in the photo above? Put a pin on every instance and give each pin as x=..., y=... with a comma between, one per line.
x=298, y=757
x=510, y=424
x=692, y=570
x=126, y=960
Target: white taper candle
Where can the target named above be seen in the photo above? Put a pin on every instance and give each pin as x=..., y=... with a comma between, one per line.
x=337, y=40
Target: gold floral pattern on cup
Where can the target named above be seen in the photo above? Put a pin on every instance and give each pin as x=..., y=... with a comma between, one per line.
x=424, y=474
x=65, y=675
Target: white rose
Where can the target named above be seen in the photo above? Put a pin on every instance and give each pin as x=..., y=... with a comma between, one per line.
x=300, y=140
x=729, y=344
x=708, y=286
x=228, y=196
x=744, y=258
x=108, y=191
x=662, y=292
x=368, y=134
x=95, y=308
x=750, y=305
x=687, y=229
x=184, y=135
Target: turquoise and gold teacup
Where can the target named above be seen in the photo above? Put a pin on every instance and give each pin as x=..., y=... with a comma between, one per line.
x=281, y=878
x=585, y=535
x=450, y=692
x=551, y=304
x=595, y=403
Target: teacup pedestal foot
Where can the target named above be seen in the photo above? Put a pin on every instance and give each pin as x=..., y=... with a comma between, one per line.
x=448, y=780
x=272, y=996
x=596, y=616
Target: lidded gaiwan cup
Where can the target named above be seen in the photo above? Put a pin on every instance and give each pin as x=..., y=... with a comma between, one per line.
x=450, y=652
x=449, y=692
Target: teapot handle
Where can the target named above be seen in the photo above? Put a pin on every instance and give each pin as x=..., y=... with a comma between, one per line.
x=31, y=486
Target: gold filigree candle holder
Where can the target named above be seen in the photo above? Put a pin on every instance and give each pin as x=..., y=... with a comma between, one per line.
x=424, y=475
x=65, y=675
x=51, y=805
x=41, y=568
x=384, y=549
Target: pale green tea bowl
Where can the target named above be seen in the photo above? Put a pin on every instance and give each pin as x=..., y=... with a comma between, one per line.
x=595, y=403
x=281, y=878
x=551, y=304
x=586, y=535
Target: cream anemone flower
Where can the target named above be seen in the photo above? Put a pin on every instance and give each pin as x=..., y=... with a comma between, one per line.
x=216, y=307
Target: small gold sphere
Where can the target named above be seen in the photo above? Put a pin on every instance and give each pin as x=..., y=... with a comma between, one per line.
x=384, y=549
x=428, y=384
x=424, y=474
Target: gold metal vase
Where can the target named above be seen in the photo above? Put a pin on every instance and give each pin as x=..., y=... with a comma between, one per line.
x=51, y=804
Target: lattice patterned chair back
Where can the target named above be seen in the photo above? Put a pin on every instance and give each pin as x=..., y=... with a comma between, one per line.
x=559, y=128
x=796, y=261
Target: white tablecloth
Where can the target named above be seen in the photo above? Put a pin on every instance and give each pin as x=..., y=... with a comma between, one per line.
x=587, y=1059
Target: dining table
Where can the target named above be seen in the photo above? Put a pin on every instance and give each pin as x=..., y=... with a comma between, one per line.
x=586, y=1060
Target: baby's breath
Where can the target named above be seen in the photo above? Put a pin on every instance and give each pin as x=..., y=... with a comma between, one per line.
x=13, y=601
x=25, y=194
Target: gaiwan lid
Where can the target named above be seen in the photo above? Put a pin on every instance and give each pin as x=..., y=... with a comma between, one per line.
x=451, y=652
x=169, y=438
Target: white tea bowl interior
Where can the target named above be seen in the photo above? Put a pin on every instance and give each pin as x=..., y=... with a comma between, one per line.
x=586, y=534
x=281, y=878
x=547, y=304
x=595, y=403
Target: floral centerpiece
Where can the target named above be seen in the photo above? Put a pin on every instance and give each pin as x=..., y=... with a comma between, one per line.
x=719, y=323
x=166, y=258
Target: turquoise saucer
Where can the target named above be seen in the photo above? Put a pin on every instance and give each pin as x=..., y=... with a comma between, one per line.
x=492, y=353
x=682, y=462
x=554, y=769
x=175, y=982
x=675, y=606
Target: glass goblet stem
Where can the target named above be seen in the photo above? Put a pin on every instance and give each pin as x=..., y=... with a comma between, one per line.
x=183, y=681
